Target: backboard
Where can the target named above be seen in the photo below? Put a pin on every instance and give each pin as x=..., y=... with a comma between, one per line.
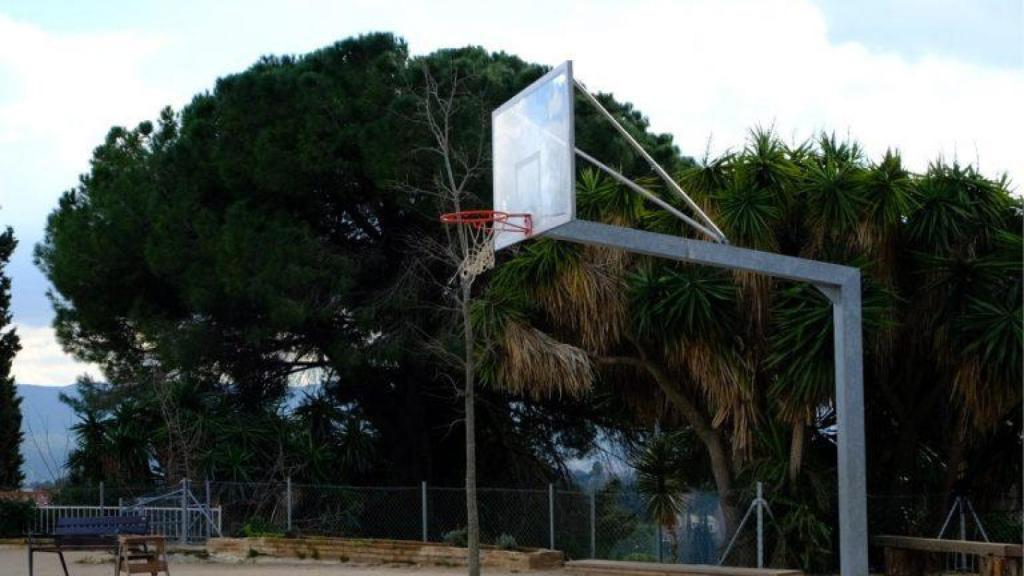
x=534, y=155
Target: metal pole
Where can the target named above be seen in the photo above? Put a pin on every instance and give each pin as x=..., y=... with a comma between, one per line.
x=842, y=285
x=101, y=497
x=945, y=524
x=209, y=511
x=849, y=369
x=183, y=537
x=760, y=526
x=288, y=500
x=981, y=527
x=551, y=515
x=593, y=523
x=645, y=193
x=423, y=507
x=963, y=529
x=657, y=539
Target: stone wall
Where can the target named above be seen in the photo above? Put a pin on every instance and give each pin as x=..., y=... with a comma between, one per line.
x=380, y=552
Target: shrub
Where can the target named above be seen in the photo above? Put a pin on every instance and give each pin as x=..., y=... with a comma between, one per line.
x=257, y=526
x=458, y=537
x=16, y=517
x=506, y=542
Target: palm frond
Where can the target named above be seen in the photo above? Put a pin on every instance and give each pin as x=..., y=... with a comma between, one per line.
x=537, y=365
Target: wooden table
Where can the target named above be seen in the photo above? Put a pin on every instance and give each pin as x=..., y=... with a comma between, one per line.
x=621, y=568
x=911, y=556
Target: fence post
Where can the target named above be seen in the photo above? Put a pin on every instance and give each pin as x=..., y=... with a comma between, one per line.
x=184, y=511
x=551, y=515
x=288, y=500
x=760, y=526
x=593, y=522
x=101, y=498
x=209, y=511
x=423, y=507
x=963, y=532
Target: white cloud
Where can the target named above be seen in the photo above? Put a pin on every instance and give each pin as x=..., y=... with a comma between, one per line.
x=60, y=93
x=703, y=69
x=42, y=361
x=698, y=68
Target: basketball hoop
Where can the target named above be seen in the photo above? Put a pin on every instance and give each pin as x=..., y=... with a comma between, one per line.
x=480, y=227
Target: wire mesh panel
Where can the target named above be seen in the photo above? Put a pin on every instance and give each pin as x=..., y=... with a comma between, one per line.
x=357, y=512
x=521, y=515
x=250, y=508
x=572, y=521
x=623, y=529
x=699, y=534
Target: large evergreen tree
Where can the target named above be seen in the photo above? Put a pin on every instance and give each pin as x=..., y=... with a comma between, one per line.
x=10, y=404
x=265, y=233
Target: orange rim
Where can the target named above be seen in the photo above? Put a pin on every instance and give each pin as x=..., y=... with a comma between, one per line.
x=488, y=219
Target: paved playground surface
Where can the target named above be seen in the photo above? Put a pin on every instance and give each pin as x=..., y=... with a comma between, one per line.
x=13, y=562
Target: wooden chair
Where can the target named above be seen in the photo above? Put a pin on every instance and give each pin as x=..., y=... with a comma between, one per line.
x=141, y=555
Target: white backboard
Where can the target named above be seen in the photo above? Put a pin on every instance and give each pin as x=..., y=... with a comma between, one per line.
x=534, y=155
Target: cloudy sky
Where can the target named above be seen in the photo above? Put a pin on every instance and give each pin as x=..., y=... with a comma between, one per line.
x=931, y=77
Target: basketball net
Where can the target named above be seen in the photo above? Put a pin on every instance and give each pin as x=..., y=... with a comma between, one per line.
x=479, y=250
x=479, y=227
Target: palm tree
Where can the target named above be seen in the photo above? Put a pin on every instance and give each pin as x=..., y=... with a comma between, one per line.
x=728, y=355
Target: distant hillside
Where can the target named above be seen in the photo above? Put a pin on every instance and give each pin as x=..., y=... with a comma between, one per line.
x=45, y=422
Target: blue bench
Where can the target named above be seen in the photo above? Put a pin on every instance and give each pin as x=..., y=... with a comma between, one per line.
x=97, y=533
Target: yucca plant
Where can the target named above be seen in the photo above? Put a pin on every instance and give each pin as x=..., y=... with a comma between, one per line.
x=734, y=358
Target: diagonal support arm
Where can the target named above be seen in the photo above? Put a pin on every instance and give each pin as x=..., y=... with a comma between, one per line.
x=714, y=233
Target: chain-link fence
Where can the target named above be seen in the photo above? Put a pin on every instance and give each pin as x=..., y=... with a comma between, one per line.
x=609, y=523
x=926, y=515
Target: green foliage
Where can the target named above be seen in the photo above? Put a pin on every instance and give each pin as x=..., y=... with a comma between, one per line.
x=672, y=301
x=11, y=458
x=808, y=536
x=744, y=365
x=264, y=234
x=458, y=537
x=16, y=517
x=506, y=542
x=259, y=527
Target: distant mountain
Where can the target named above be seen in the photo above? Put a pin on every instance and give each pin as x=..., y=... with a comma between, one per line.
x=46, y=422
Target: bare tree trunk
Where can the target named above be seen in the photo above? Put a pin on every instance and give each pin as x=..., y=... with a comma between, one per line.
x=472, y=515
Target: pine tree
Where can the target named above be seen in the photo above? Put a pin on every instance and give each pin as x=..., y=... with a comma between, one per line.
x=10, y=404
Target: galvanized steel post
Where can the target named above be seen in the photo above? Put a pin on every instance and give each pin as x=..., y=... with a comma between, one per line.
x=288, y=500
x=842, y=286
x=209, y=511
x=423, y=508
x=593, y=523
x=183, y=536
x=551, y=515
x=760, y=526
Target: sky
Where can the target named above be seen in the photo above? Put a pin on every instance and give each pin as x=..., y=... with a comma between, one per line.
x=933, y=78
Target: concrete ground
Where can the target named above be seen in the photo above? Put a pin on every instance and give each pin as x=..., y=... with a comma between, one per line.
x=14, y=562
